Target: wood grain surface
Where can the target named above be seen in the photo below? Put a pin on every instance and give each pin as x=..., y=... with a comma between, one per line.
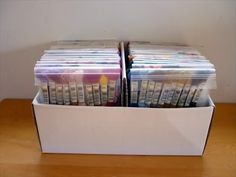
x=20, y=152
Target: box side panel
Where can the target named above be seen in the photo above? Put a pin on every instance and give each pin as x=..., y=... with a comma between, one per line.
x=210, y=126
x=102, y=130
x=36, y=125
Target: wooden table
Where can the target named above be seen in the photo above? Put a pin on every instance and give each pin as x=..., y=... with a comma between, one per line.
x=20, y=152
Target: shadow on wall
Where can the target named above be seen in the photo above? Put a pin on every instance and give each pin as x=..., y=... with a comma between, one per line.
x=17, y=71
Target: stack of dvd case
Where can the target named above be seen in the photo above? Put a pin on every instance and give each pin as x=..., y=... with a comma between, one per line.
x=86, y=73
x=168, y=76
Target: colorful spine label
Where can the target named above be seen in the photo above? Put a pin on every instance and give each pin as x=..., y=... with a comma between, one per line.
x=80, y=94
x=156, y=93
x=134, y=92
x=171, y=93
x=190, y=95
x=66, y=94
x=89, y=95
x=73, y=93
x=142, y=93
x=59, y=94
x=104, y=94
x=164, y=94
x=149, y=94
x=111, y=90
x=198, y=93
x=177, y=93
x=44, y=89
x=184, y=95
x=96, y=94
x=52, y=93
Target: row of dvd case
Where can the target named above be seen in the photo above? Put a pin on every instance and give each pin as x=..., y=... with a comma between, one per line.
x=85, y=73
x=167, y=76
x=92, y=73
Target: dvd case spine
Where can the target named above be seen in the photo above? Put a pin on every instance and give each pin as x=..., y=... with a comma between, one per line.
x=66, y=94
x=80, y=94
x=45, y=93
x=149, y=94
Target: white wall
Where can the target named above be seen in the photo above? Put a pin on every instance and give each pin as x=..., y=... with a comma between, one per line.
x=28, y=27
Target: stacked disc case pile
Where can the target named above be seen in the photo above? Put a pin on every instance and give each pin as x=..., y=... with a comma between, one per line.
x=85, y=73
x=168, y=76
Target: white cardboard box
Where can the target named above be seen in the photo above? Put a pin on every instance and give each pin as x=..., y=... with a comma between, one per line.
x=122, y=130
